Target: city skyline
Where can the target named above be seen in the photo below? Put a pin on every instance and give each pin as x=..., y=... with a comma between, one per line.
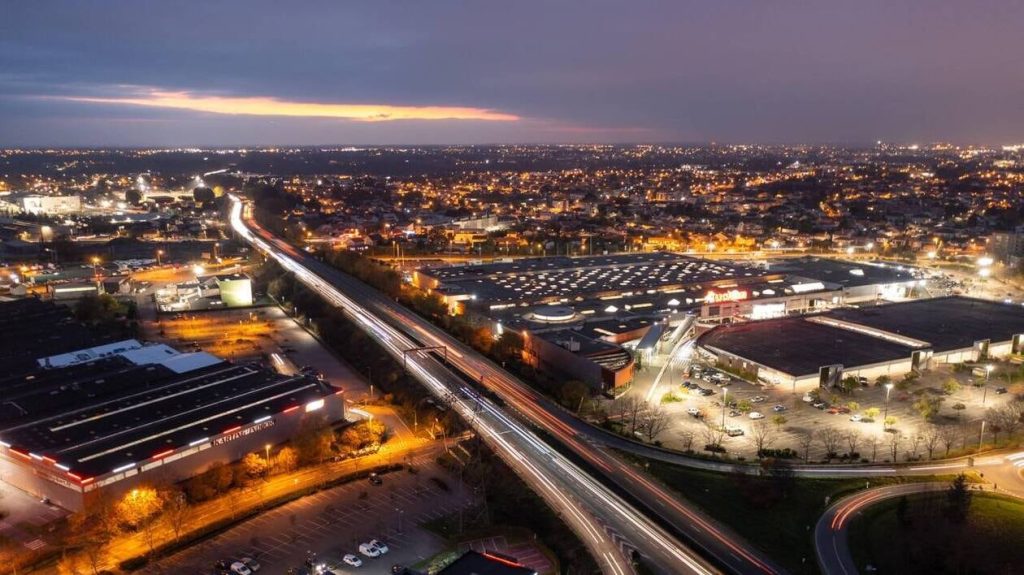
x=145, y=74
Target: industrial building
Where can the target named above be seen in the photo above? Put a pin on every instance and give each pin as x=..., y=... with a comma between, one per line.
x=893, y=339
x=587, y=316
x=103, y=418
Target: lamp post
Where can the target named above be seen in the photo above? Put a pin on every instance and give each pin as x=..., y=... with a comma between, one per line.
x=725, y=403
x=981, y=435
x=266, y=449
x=888, y=389
x=158, y=254
x=95, y=267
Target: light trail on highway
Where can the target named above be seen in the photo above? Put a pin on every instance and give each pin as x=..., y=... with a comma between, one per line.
x=583, y=502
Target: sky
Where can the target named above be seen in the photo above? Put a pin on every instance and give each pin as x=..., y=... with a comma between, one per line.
x=259, y=72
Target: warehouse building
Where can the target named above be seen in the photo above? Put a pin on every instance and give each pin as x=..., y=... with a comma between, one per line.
x=105, y=418
x=819, y=350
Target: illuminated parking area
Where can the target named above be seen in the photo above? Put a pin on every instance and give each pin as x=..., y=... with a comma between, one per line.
x=539, y=280
x=106, y=423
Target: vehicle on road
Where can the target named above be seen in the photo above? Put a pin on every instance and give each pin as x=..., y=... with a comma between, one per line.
x=369, y=550
x=755, y=415
x=352, y=560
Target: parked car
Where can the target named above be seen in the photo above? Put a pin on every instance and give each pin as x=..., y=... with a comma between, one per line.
x=755, y=415
x=856, y=417
x=694, y=411
x=779, y=408
x=808, y=398
x=352, y=560
x=240, y=568
x=819, y=405
x=375, y=479
x=733, y=431
x=251, y=563
x=1000, y=390
x=369, y=550
x=758, y=399
x=380, y=545
x=733, y=413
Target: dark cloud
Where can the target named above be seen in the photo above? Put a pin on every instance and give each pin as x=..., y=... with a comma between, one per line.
x=734, y=70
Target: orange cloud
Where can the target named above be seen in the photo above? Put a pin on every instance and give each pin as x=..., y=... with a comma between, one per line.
x=255, y=106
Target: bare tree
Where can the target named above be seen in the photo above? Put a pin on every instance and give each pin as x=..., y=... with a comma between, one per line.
x=806, y=440
x=894, y=444
x=655, y=421
x=931, y=440
x=873, y=441
x=634, y=407
x=915, y=444
x=948, y=435
x=177, y=512
x=830, y=438
x=763, y=434
x=852, y=438
x=713, y=437
x=686, y=438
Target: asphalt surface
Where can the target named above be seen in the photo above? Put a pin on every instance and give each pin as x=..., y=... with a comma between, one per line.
x=601, y=518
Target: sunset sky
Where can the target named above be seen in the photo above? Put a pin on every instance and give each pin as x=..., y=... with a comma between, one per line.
x=159, y=73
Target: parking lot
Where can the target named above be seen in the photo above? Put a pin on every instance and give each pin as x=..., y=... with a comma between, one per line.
x=326, y=525
x=701, y=401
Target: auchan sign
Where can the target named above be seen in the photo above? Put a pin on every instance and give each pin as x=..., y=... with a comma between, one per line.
x=727, y=296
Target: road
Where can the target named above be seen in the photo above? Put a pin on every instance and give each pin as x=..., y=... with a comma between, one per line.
x=830, y=533
x=599, y=516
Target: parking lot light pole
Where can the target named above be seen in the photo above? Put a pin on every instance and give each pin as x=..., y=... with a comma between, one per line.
x=888, y=389
x=725, y=403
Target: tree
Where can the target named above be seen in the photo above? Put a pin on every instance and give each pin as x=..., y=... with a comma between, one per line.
x=948, y=436
x=313, y=439
x=634, y=407
x=69, y=564
x=890, y=421
x=873, y=441
x=806, y=439
x=133, y=197
x=779, y=421
x=655, y=420
x=927, y=407
x=852, y=440
x=686, y=437
x=951, y=386
x=872, y=412
x=713, y=437
x=203, y=194
x=932, y=437
x=894, y=444
x=255, y=466
x=286, y=460
x=959, y=408
x=958, y=499
x=177, y=512
x=882, y=380
x=138, y=506
x=848, y=384
x=763, y=434
x=830, y=438
x=572, y=393
x=853, y=406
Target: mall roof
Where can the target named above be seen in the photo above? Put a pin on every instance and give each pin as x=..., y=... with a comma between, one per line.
x=31, y=328
x=104, y=415
x=947, y=323
x=799, y=347
x=843, y=273
x=545, y=279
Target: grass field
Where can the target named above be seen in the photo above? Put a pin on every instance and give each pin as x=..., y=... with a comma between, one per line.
x=782, y=528
x=989, y=541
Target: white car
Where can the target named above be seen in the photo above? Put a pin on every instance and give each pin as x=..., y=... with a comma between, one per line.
x=380, y=545
x=757, y=399
x=807, y=398
x=251, y=563
x=240, y=568
x=856, y=417
x=755, y=415
x=352, y=560
x=693, y=411
x=369, y=550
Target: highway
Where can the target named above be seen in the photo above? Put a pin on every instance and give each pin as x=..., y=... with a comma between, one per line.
x=600, y=517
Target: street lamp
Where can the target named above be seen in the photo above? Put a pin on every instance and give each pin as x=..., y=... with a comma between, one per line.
x=158, y=254
x=888, y=389
x=981, y=435
x=95, y=266
x=266, y=449
x=984, y=393
x=725, y=403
